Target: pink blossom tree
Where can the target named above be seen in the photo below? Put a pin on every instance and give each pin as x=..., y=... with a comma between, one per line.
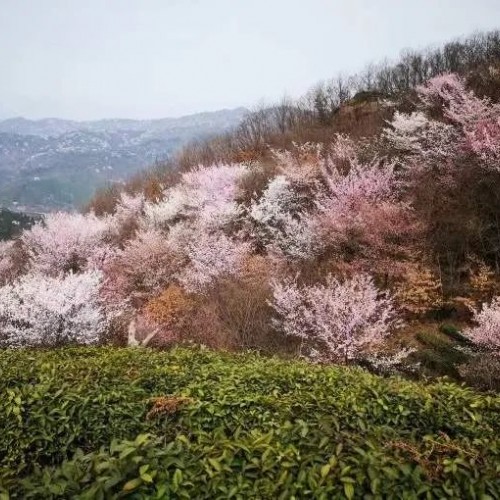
x=464, y=124
x=43, y=310
x=483, y=138
x=336, y=320
x=362, y=214
x=65, y=242
x=486, y=332
x=208, y=194
x=209, y=255
x=460, y=106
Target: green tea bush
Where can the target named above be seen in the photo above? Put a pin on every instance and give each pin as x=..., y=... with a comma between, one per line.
x=99, y=423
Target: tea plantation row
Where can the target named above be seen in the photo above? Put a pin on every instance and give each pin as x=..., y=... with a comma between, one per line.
x=99, y=423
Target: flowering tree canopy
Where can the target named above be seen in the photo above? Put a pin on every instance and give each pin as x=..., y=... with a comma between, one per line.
x=486, y=333
x=48, y=311
x=281, y=223
x=337, y=319
x=206, y=193
x=468, y=124
x=65, y=242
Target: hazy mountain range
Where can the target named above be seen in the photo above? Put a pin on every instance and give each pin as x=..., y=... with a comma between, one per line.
x=53, y=164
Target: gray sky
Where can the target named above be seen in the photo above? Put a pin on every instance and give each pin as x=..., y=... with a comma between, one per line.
x=86, y=59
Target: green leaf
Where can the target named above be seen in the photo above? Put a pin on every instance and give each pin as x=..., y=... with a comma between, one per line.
x=132, y=484
x=147, y=478
x=215, y=464
x=349, y=490
x=325, y=470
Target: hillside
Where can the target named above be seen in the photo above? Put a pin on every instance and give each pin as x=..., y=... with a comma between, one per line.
x=13, y=223
x=109, y=423
x=57, y=164
x=369, y=250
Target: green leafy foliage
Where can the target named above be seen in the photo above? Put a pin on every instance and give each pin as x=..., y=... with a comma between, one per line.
x=99, y=423
x=453, y=333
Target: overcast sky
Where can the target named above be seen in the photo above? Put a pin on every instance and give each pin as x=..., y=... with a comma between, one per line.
x=86, y=59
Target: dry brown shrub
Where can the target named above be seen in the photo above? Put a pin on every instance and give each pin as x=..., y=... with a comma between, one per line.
x=104, y=201
x=167, y=405
x=246, y=155
x=482, y=372
x=207, y=328
x=172, y=311
x=14, y=262
x=483, y=282
x=420, y=292
x=242, y=308
x=253, y=184
x=188, y=319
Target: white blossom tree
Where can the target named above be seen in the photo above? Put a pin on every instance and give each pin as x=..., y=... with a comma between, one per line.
x=39, y=310
x=206, y=193
x=280, y=222
x=209, y=255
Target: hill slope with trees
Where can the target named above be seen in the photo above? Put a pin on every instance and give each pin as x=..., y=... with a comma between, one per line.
x=354, y=249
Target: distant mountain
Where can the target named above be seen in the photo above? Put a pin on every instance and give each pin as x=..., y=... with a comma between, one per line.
x=57, y=164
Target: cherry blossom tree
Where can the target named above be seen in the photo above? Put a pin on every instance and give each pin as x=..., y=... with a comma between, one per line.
x=65, y=242
x=460, y=106
x=374, y=182
x=143, y=268
x=280, y=222
x=40, y=310
x=486, y=332
x=206, y=193
x=362, y=214
x=464, y=124
x=210, y=255
x=427, y=141
x=484, y=140
x=337, y=320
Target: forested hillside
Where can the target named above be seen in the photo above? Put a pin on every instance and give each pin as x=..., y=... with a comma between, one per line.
x=348, y=229
x=13, y=223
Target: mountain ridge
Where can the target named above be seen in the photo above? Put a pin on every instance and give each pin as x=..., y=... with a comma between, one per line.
x=51, y=164
x=57, y=126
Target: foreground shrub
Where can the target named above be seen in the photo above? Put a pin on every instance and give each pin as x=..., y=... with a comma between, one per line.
x=107, y=423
